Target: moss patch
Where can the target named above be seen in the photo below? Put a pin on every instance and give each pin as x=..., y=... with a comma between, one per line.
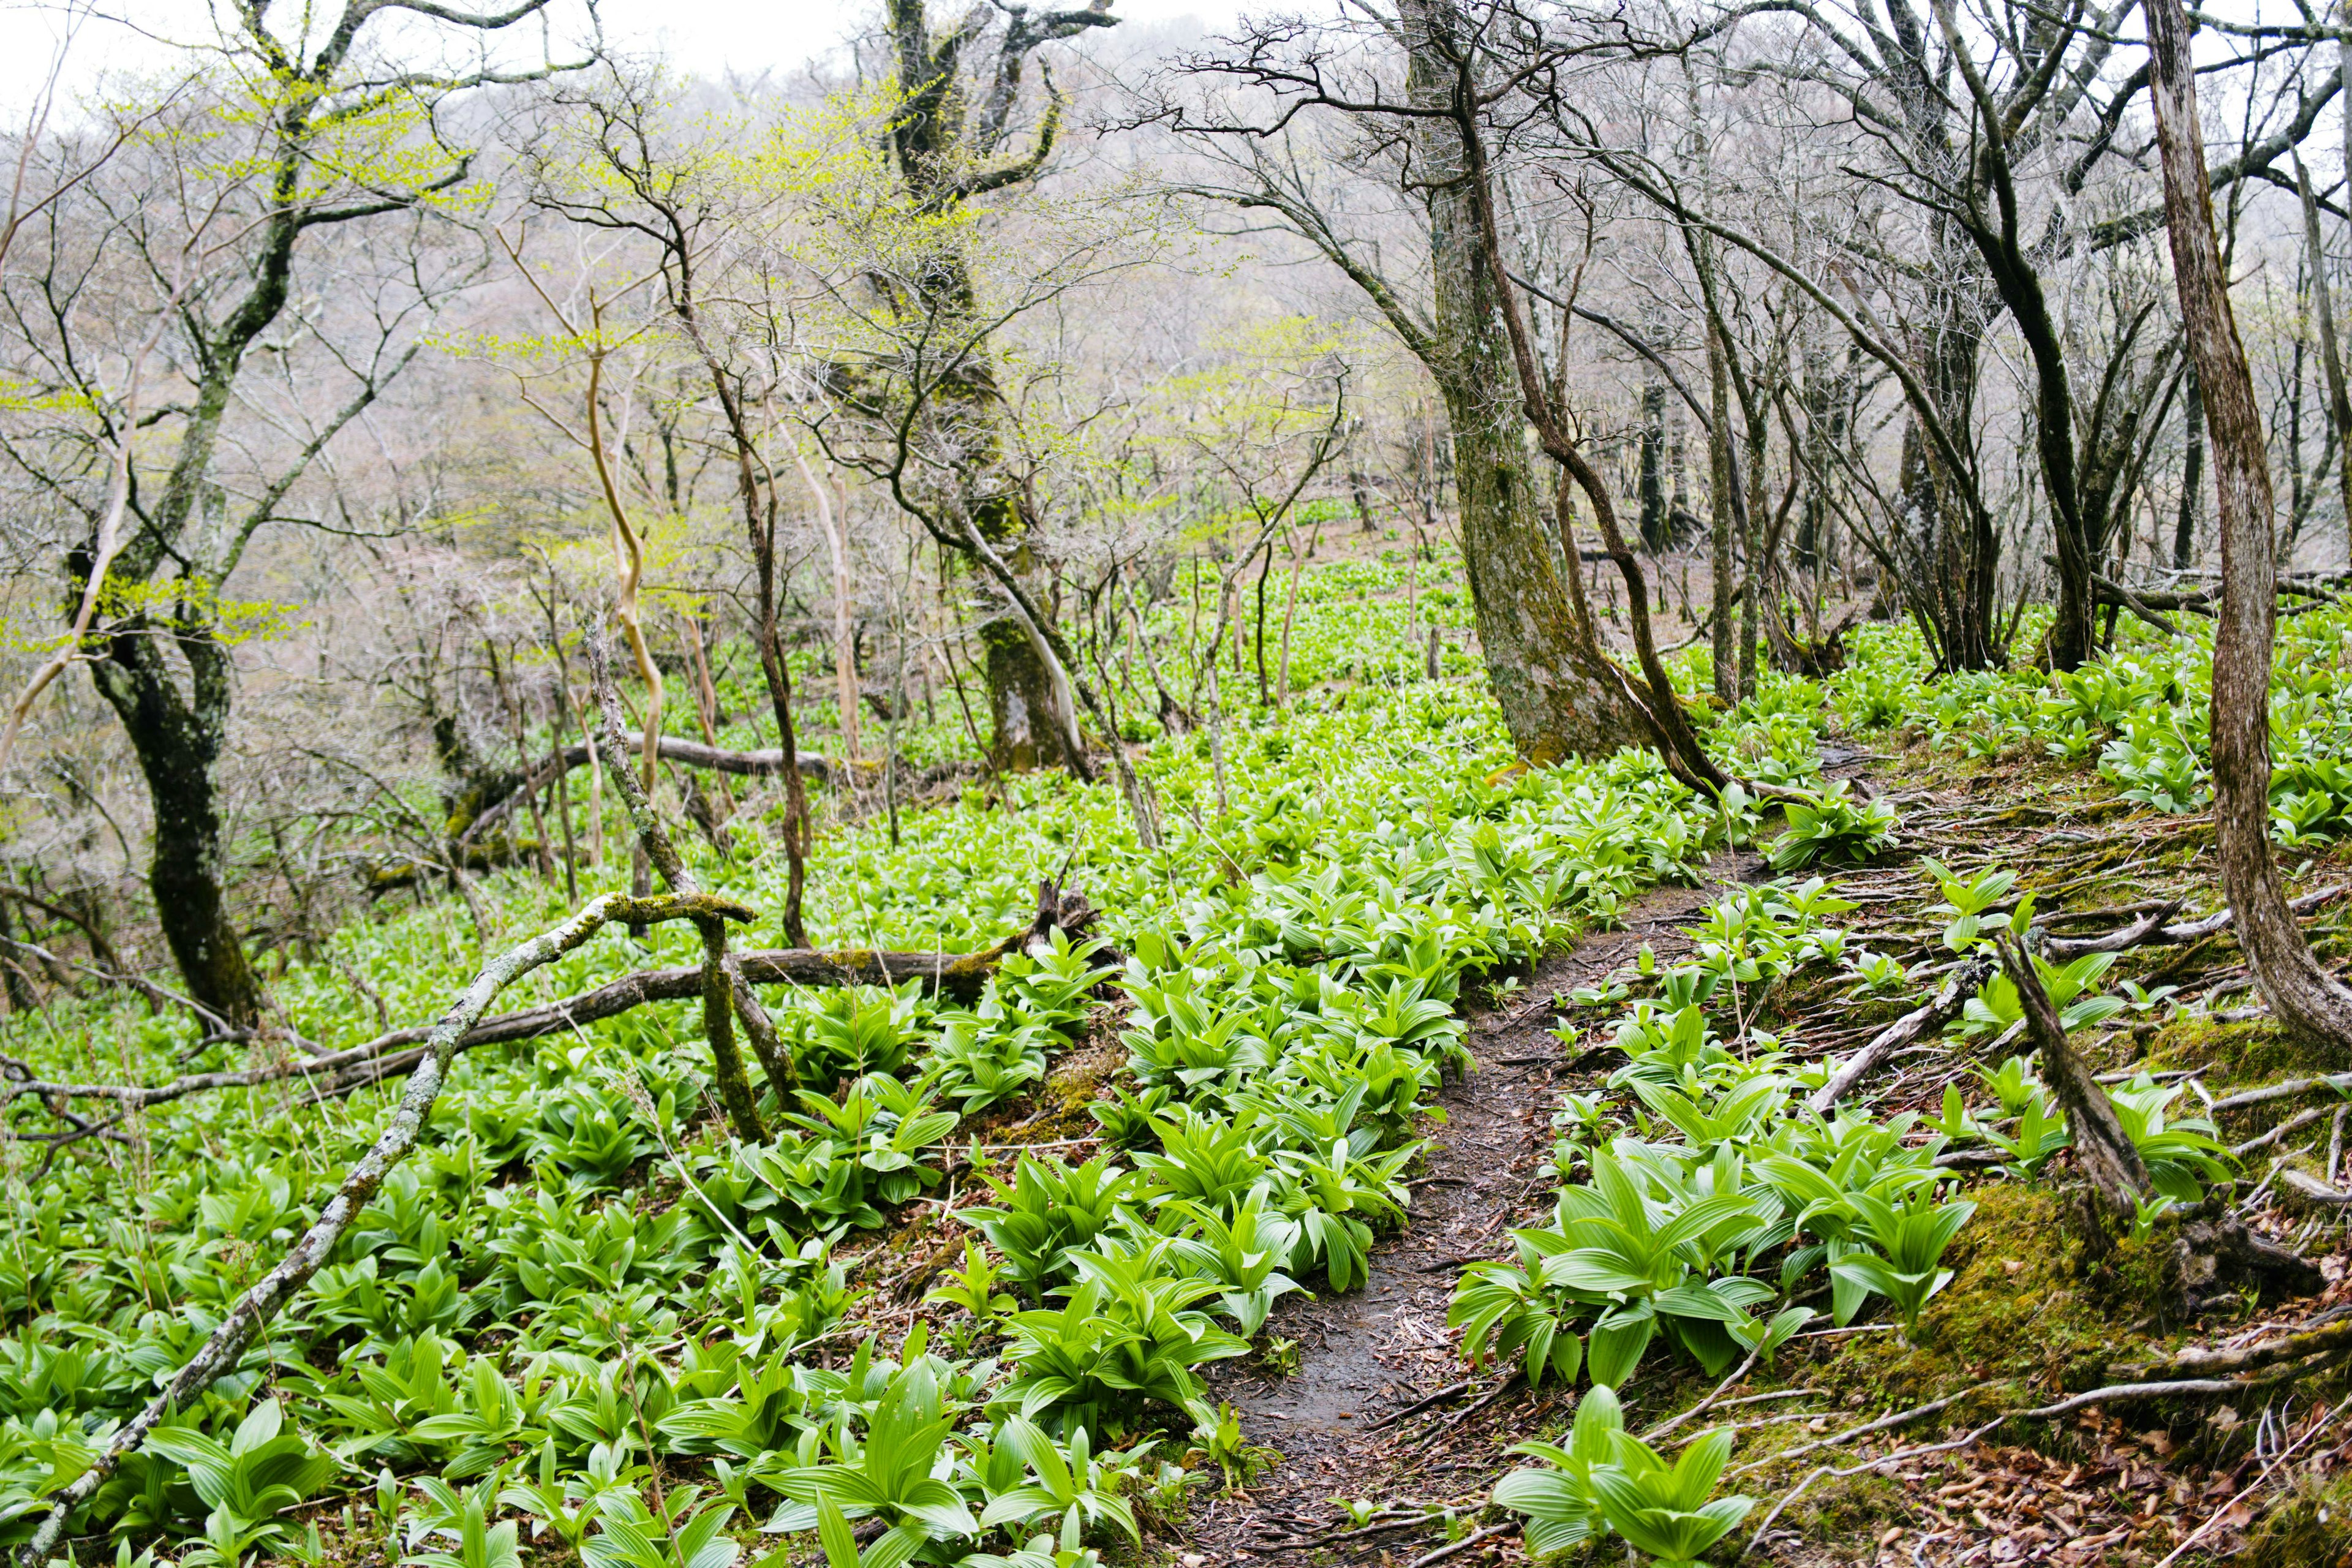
x=2310, y=1526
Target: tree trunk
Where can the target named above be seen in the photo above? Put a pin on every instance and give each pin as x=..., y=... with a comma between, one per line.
x=1556, y=701
x=1555, y=704
x=1718, y=447
x=1654, y=534
x=1020, y=700
x=2310, y=1001
x=2104, y=1151
x=178, y=740
x=2193, y=473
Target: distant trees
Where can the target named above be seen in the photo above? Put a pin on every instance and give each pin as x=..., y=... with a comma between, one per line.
x=1880, y=292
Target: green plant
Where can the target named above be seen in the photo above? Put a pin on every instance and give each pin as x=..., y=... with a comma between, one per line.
x=474, y=1543
x=1241, y=1255
x=2183, y=1155
x=1832, y=825
x=1606, y=1479
x=1074, y=1483
x=261, y=1471
x=688, y=1533
x=849, y=1032
x=1666, y=1509
x=1217, y=1440
x=2041, y=1132
x=1125, y=1334
x=972, y=1287
x=886, y=1474
x=1049, y=1208
x=1912, y=1234
x=2072, y=988
x=1967, y=901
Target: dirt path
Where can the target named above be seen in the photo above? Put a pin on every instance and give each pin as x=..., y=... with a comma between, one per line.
x=1365, y=1356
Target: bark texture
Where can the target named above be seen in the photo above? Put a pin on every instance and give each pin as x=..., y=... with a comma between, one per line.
x=2312, y=1003
x=178, y=738
x=1557, y=700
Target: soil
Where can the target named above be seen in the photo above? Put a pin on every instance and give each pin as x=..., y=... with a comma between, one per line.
x=1362, y=1358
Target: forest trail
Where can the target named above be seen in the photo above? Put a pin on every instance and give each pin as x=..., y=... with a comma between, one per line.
x=1364, y=1357
x=1380, y=1409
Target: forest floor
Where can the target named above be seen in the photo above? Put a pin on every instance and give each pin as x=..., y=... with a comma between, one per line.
x=1382, y=1450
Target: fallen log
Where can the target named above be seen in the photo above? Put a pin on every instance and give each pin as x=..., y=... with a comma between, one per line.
x=672, y=749
x=957, y=974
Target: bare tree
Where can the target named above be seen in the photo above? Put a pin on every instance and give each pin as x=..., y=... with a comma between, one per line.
x=334, y=138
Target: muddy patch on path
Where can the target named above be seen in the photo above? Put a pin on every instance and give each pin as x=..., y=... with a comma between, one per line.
x=1377, y=1409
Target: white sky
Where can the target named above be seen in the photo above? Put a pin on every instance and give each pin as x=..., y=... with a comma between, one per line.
x=706, y=37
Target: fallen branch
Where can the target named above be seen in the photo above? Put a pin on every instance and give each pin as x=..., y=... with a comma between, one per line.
x=2269, y=1470
x=1418, y=1406
x=2221, y=919
x=2312, y=1187
x=2330, y=1339
x=2103, y=1150
x=1298, y=1542
x=1883, y=1423
x=1509, y=1527
x=2287, y=1089
x=2147, y=928
x=226, y=1343
x=2300, y=1120
x=1949, y=1001
x=2106, y=591
x=1434, y=1433
x=957, y=974
x=672, y=749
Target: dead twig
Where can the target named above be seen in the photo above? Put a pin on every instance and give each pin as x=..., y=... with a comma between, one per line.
x=1418, y=1406
x=1509, y=1527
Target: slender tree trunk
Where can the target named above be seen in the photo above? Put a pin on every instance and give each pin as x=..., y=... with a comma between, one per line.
x=1718, y=447
x=2309, y=1000
x=835, y=524
x=1756, y=580
x=1257, y=636
x=1290, y=617
x=2331, y=358
x=1653, y=489
x=514, y=705
x=2193, y=473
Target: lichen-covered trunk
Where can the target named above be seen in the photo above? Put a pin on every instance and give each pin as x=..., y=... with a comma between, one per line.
x=178, y=740
x=1555, y=702
x=2310, y=1001
x=1020, y=701
x=1558, y=700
